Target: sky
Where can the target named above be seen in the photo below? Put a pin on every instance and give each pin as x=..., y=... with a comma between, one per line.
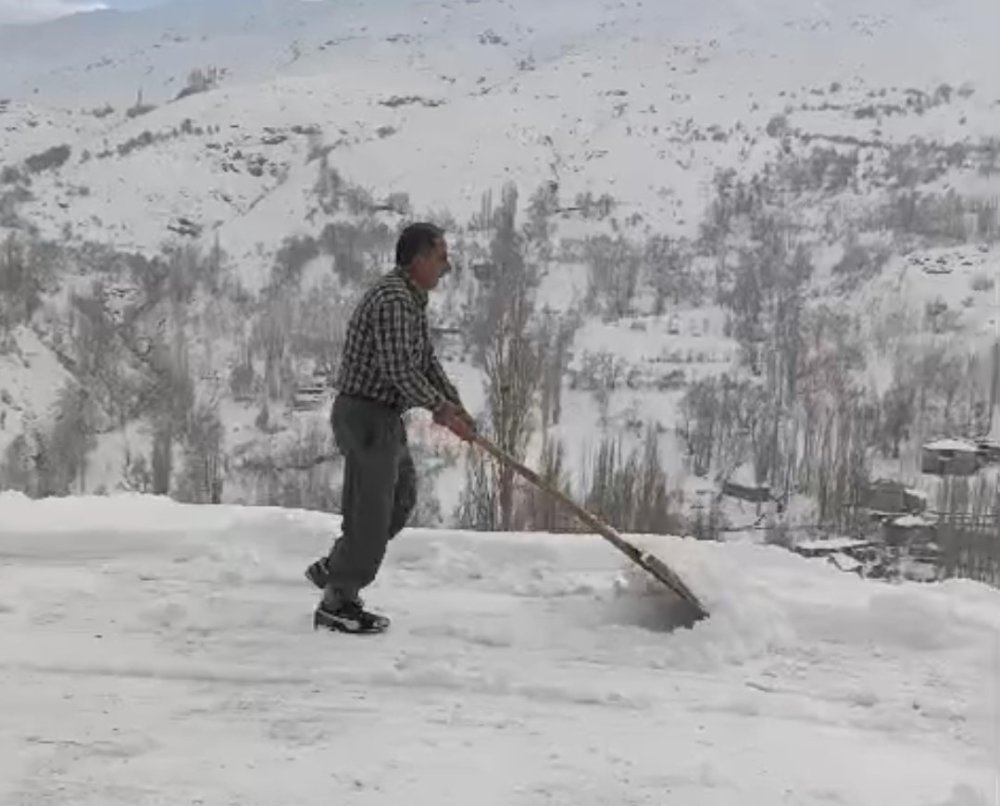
x=37, y=10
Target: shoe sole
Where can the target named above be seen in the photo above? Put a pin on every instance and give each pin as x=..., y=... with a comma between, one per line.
x=332, y=625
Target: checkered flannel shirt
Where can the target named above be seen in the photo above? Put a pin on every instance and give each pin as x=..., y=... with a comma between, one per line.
x=388, y=356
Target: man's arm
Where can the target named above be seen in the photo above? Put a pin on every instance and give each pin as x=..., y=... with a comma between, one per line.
x=453, y=413
x=394, y=337
x=437, y=376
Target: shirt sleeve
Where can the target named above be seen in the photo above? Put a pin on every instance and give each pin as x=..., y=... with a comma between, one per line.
x=438, y=377
x=394, y=339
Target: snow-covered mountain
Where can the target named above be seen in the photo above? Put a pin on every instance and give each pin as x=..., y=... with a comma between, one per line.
x=865, y=132
x=442, y=101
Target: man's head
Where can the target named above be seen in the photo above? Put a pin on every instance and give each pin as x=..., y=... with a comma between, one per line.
x=422, y=253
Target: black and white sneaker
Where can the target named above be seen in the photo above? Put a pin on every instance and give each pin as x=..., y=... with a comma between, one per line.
x=350, y=617
x=317, y=573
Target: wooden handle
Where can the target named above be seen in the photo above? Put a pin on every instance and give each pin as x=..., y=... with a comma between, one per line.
x=649, y=562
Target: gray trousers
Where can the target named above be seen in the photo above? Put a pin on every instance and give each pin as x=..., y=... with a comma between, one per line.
x=379, y=491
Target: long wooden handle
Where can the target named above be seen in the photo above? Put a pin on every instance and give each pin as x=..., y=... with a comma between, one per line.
x=649, y=562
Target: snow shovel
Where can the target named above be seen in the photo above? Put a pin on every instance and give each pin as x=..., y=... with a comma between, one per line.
x=643, y=559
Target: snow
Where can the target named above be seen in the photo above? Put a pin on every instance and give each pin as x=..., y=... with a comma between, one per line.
x=830, y=544
x=158, y=652
x=523, y=669
x=910, y=521
x=951, y=445
x=845, y=562
x=31, y=379
x=683, y=70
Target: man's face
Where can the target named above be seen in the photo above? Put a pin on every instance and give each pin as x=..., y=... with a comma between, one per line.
x=427, y=269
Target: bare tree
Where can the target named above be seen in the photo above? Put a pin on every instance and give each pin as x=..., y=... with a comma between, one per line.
x=508, y=350
x=540, y=510
x=171, y=396
x=669, y=265
x=725, y=423
x=319, y=325
x=478, y=507
x=631, y=492
x=555, y=337
x=700, y=418
x=70, y=441
x=98, y=355
x=204, y=470
x=539, y=228
x=137, y=475
x=200, y=81
x=615, y=266
x=162, y=461
x=17, y=297
x=271, y=332
x=17, y=471
x=513, y=362
x=52, y=460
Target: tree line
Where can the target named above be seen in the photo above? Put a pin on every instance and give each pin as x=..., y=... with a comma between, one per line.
x=798, y=408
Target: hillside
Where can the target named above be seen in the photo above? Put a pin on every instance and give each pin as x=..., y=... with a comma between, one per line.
x=761, y=239
x=645, y=112
x=162, y=653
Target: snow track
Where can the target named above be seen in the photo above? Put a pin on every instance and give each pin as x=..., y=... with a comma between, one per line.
x=159, y=654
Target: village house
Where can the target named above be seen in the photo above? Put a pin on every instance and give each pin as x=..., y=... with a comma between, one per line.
x=889, y=497
x=951, y=457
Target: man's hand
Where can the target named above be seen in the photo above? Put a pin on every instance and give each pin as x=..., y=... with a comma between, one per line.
x=456, y=419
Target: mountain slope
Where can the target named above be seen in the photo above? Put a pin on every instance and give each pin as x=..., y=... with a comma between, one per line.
x=296, y=137
x=641, y=103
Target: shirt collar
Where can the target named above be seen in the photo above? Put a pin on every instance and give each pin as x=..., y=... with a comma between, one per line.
x=419, y=294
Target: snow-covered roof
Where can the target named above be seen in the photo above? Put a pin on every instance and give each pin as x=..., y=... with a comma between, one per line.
x=745, y=476
x=910, y=521
x=831, y=544
x=951, y=445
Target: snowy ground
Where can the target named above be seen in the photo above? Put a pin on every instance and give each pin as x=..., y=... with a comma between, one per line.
x=154, y=653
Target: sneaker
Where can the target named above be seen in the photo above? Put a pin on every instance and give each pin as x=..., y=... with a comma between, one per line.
x=317, y=573
x=349, y=617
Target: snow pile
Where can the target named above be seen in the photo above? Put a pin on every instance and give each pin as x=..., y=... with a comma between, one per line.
x=766, y=600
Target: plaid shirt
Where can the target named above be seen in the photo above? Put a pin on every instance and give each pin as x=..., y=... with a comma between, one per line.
x=388, y=356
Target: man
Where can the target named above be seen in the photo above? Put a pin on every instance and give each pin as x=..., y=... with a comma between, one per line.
x=388, y=367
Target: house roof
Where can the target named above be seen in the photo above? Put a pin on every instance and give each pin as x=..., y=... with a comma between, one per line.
x=951, y=445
